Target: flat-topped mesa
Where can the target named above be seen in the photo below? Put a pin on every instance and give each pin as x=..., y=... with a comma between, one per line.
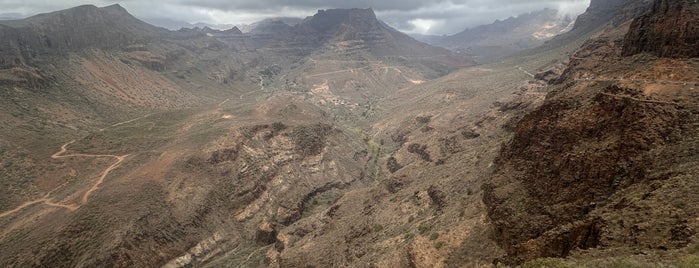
x=331, y=19
x=670, y=30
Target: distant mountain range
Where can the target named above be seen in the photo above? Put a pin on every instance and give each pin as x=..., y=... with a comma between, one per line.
x=502, y=38
x=270, y=24
x=174, y=25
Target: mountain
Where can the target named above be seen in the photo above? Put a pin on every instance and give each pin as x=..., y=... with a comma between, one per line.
x=134, y=97
x=503, y=38
x=270, y=25
x=10, y=16
x=603, y=165
x=341, y=142
x=70, y=30
x=352, y=31
x=175, y=25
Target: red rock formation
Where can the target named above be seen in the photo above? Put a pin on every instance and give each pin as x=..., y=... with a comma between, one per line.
x=671, y=30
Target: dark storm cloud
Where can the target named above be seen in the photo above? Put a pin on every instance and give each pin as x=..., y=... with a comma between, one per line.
x=420, y=16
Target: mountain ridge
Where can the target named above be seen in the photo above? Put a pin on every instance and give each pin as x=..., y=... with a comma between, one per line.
x=505, y=37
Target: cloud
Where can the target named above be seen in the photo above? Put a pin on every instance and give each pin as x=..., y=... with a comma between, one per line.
x=420, y=16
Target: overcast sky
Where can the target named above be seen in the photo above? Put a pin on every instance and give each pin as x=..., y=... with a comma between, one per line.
x=415, y=16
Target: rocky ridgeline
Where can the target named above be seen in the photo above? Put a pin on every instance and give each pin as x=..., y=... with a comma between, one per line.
x=669, y=30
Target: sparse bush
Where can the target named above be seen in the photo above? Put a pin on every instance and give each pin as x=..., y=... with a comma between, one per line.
x=449, y=146
x=434, y=236
x=437, y=196
x=468, y=134
x=423, y=228
x=393, y=165
x=423, y=119
x=438, y=245
x=378, y=228
x=400, y=138
x=278, y=126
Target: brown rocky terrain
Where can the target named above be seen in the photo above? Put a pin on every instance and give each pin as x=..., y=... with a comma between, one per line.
x=606, y=161
x=669, y=30
x=342, y=142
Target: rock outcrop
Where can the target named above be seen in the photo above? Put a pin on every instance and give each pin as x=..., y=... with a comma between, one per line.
x=669, y=30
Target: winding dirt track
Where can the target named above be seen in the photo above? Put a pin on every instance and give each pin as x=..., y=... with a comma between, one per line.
x=71, y=207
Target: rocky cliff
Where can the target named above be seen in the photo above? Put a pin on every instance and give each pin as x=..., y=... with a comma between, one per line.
x=605, y=162
x=669, y=30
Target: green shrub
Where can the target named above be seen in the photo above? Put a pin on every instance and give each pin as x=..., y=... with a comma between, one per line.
x=423, y=228
x=690, y=261
x=378, y=228
x=439, y=245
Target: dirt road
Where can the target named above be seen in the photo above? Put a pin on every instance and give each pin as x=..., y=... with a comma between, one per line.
x=71, y=207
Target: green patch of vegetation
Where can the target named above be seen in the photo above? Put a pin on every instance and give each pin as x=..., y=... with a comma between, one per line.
x=545, y=263
x=378, y=228
x=679, y=204
x=438, y=245
x=408, y=236
x=691, y=261
x=693, y=249
x=434, y=236
x=423, y=228
x=619, y=263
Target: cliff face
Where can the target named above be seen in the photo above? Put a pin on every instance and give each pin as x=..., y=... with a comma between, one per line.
x=605, y=162
x=669, y=30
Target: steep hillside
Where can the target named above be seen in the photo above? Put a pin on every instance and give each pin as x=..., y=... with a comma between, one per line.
x=605, y=167
x=669, y=30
